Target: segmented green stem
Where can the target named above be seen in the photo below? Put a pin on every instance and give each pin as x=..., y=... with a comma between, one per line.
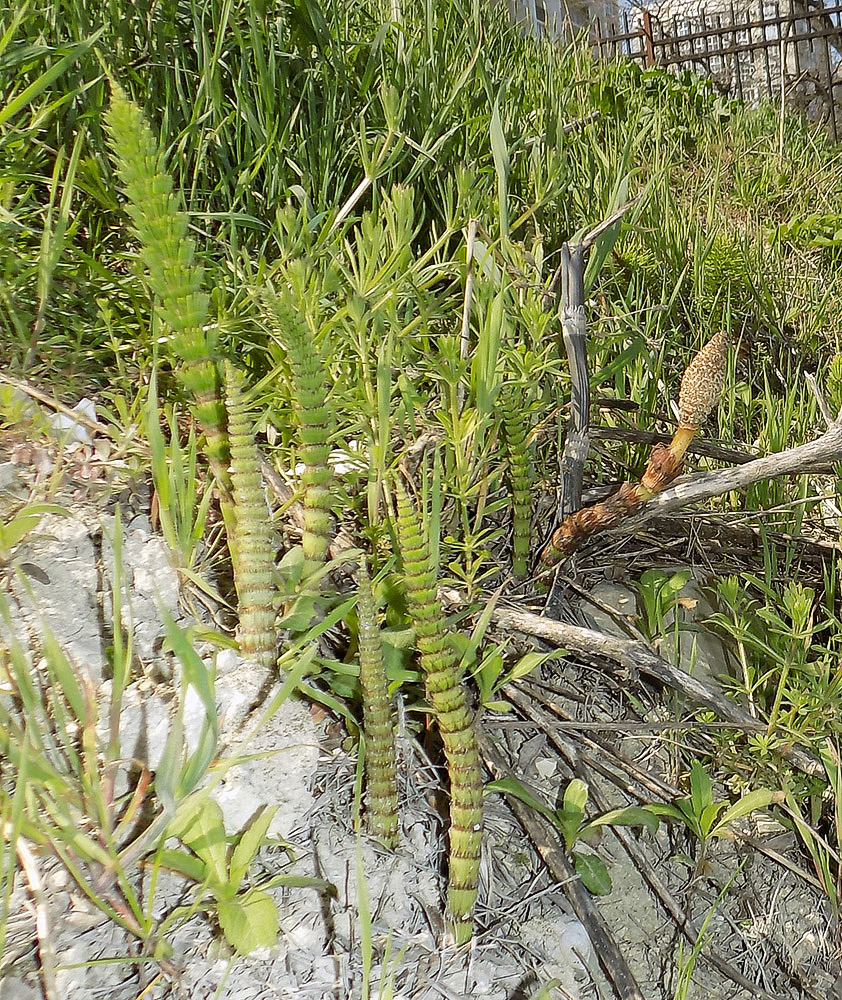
x=515, y=433
x=447, y=698
x=314, y=416
x=251, y=543
x=380, y=770
x=173, y=275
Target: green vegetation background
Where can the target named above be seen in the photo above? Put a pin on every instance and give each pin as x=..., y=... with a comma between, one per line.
x=339, y=151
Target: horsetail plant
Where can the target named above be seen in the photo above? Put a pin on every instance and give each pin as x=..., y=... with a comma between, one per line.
x=171, y=272
x=313, y=416
x=447, y=699
x=701, y=387
x=380, y=770
x=251, y=540
x=515, y=432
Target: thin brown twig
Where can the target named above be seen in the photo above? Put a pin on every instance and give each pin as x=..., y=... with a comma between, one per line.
x=545, y=841
x=43, y=929
x=707, y=449
x=636, y=657
x=81, y=418
x=582, y=766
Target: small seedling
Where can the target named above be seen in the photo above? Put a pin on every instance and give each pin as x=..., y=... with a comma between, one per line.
x=569, y=820
x=658, y=594
x=248, y=916
x=707, y=818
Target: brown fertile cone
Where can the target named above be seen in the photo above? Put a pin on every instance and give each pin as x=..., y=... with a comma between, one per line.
x=701, y=387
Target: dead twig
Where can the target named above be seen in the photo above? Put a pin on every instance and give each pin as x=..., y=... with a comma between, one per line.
x=697, y=447
x=54, y=404
x=43, y=930
x=636, y=657
x=582, y=765
x=546, y=843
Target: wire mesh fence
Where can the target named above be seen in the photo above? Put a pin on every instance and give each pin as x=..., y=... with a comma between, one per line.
x=789, y=52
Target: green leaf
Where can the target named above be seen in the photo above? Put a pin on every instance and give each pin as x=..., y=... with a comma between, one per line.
x=760, y=798
x=500, y=154
x=183, y=863
x=628, y=816
x=249, y=844
x=249, y=922
x=511, y=786
x=576, y=796
x=707, y=818
x=701, y=789
x=593, y=873
x=530, y=661
x=68, y=681
x=668, y=811
x=678, y=581
x=497, y=706
x=199, y=826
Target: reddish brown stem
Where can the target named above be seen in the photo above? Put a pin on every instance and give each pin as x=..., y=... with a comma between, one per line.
x=664, y=466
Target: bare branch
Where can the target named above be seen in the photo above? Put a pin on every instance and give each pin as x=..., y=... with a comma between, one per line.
x=794, y=461
x=636, y=657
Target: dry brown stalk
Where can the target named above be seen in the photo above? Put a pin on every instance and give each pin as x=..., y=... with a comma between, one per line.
x=701, y=387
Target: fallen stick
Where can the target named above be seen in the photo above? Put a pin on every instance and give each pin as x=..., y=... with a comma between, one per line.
x=636, y=657
x=545, y=841
x=703, y=485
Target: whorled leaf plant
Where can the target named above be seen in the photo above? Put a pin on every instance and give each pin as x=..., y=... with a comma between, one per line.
x=251, y=547
x=170, y=269
x=515, y=434
x=380, y=770
x=314, y=417
x=447, y=698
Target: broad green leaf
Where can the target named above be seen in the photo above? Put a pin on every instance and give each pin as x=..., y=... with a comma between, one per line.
x=249, y=844
x=575, y=796
x=497, y=706
x=183, y=863
x=760, y=798
x=701, y=789
x=593, y=873
x=678, y=581
x=249, y=921
x=530, y=661
x=511, y=786
x=199, y=826
x=628, y=816
x=707, y=819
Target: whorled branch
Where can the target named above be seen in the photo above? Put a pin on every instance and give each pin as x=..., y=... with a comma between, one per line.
x=447, y=697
